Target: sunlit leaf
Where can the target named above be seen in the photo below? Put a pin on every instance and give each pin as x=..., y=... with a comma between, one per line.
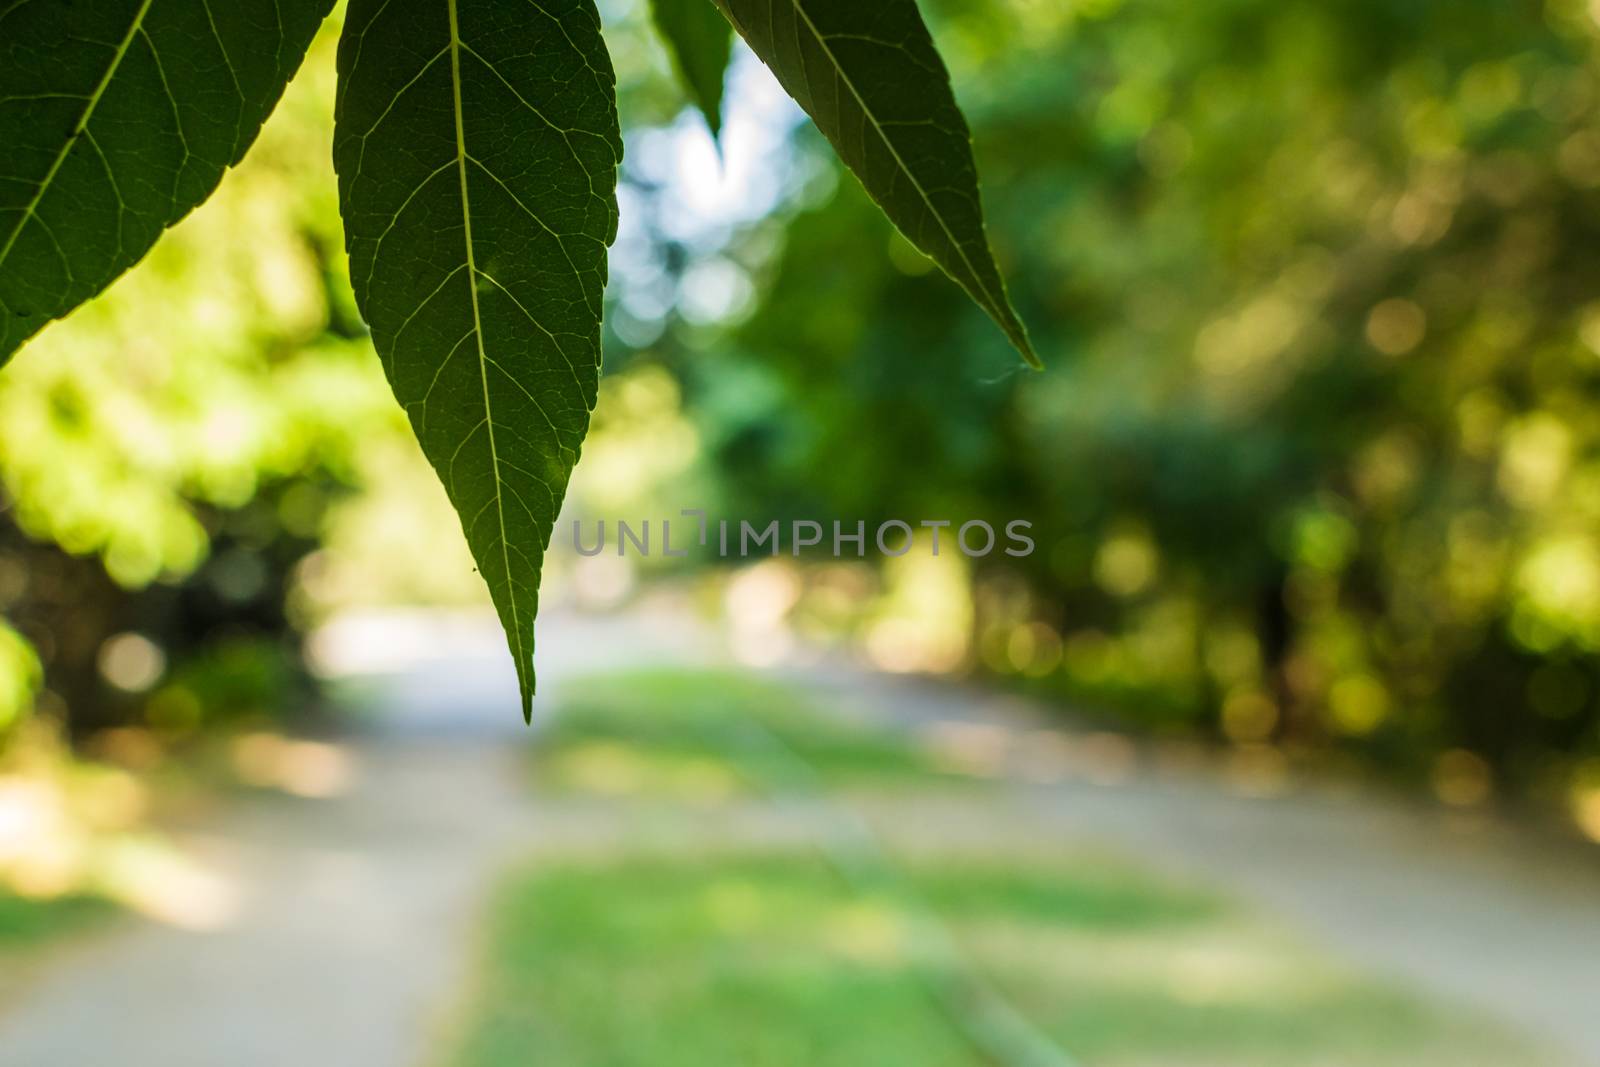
x=477, y=146
x=700, y=40
x=117, y=117
x=870, y=78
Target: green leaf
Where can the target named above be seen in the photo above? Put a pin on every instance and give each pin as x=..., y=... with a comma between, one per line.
x=477, y=147
x=117, y=118
x=870, y=77
x=700, y=40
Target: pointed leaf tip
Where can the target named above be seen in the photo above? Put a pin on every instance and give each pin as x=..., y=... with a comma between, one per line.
x=118, y=117
x=476, y=145
x=871, y=79
x=1029, y=355
x=700, y=42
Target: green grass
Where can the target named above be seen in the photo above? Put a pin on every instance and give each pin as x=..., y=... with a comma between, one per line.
x=686, y=735
x=700, y=950
x=25, y=922
x=720, y=961
x=650, y=960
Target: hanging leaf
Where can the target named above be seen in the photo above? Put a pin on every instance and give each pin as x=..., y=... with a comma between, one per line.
x=117, y=118
x=700, y=40
x=870, y=78
x=477, y=146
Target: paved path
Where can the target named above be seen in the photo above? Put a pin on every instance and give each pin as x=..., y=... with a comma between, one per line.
x=353, y=926
x=1468, y=907
x=353, y=920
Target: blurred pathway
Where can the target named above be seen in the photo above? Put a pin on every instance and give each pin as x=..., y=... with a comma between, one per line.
x=352, y=926
x=1503, y=920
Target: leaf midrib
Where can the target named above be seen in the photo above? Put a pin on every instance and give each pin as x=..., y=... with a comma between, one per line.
x=477, y=325
x=81, y=125
x=883, y=136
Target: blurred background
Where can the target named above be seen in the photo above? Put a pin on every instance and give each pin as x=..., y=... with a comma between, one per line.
x=1282, y=747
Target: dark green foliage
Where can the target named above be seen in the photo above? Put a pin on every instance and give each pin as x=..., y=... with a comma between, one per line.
x=477, y=148
x=870, y=78
x=117, y=117
x=1384, y=505
x=701, y=41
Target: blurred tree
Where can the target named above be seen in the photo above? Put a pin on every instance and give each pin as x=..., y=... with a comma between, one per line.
x=166, y=455
x=1315, y=458
x=1315, y=461
x=207, y=458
